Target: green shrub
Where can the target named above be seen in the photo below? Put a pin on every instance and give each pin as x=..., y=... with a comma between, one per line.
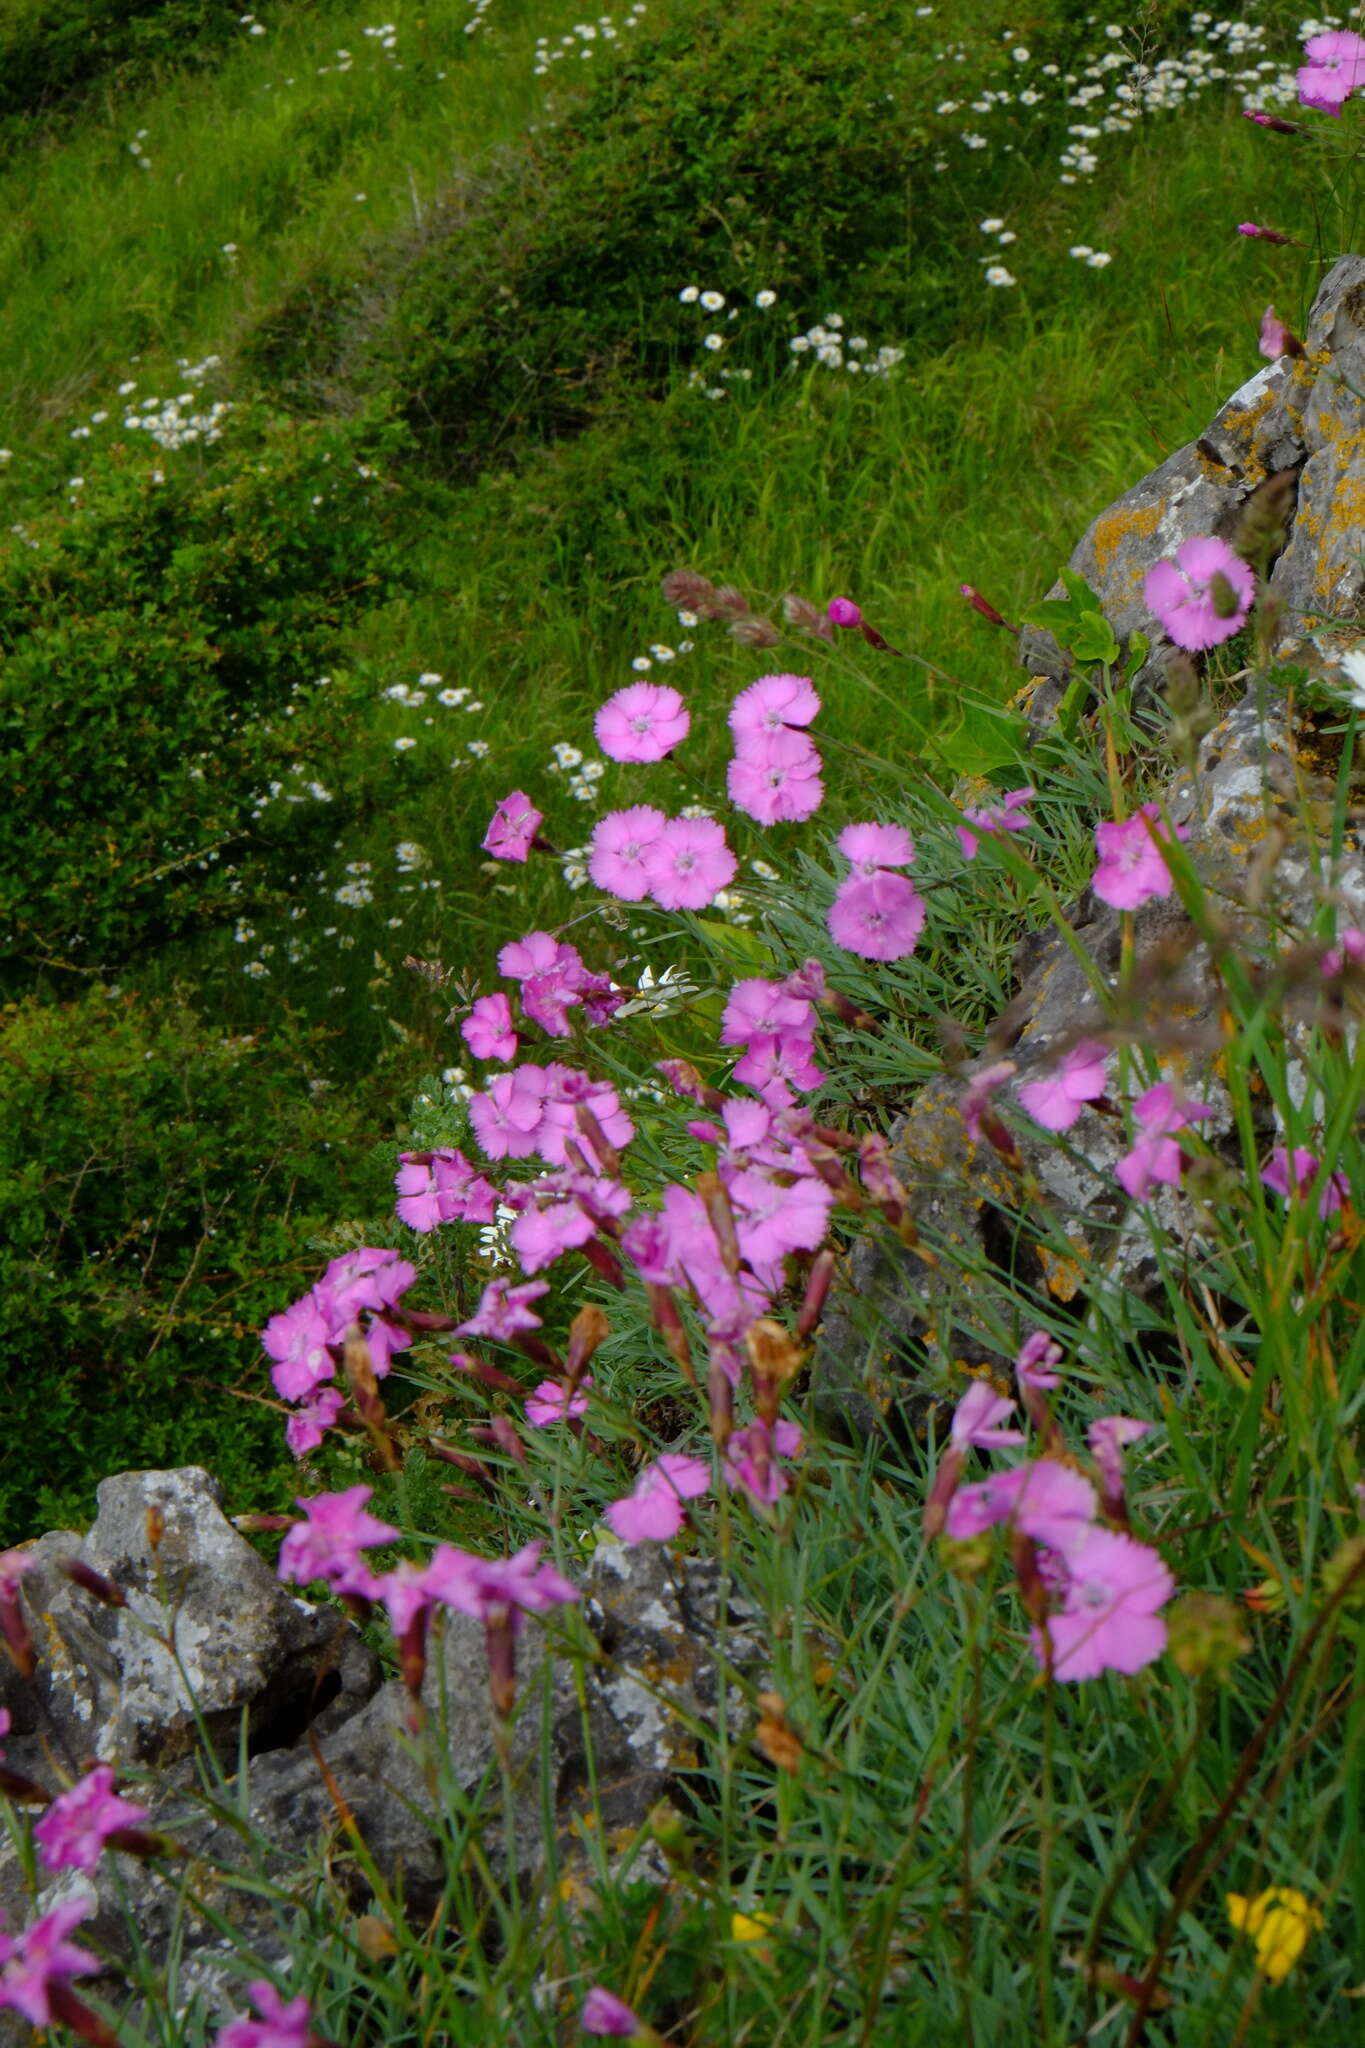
x=50, y=49
x=159, y=1187
x=160, y=647
x=742, y=146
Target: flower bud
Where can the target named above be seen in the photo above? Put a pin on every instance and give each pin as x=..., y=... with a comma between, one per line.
x=1204, y=1634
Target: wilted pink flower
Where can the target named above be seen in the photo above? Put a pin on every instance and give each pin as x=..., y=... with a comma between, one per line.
x=977, y=1419
x=327, y=1545
x=1335, y=68
x=1203, y=595
x=842, y=611
x=1108, y=1437
x=1057, y=1101
x=41, y=1961
x=1255, y=233
x=1045, y=1500
x=771, y=703
x=550, y=1402
x=878, y=919
x=653, y=1511
x=1008, y=816
x=1132, y=866
x=1108, y=1621
x=279, y=2025
x=751, y=1459
x=442, y=1187
x=504, y=1310
x=1276, y=339
x=1156, y=1159
x=643, y=722
x=1037, y=1355
x=616, y=855
x=979, y=1094
x=775, y=777
x=604, y=2013
x=873, y=847
x=74, y=1829
x=1335, y=1190
x=307, y=1426
x=516, y=822
x=688, y=863
x=488, y=1030
x=984, y=607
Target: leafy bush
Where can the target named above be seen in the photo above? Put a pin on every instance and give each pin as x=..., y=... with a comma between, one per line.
x=741, y=146
x=49, y=49
x=160, y=643
x=159, y=1187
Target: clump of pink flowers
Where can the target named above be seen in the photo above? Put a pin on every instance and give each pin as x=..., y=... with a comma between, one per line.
x=775, y=772
x=876, y=913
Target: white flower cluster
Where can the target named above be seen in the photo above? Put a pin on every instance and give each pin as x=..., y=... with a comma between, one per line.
x=170, y=425
x=828, y=344
x=583, y=40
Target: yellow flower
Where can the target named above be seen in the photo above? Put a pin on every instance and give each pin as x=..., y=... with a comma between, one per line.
x=751, y=1927
x=1279, y=1921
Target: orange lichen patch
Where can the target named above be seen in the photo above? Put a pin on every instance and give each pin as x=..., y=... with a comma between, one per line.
x=1122, y=523
x=1065, y=1277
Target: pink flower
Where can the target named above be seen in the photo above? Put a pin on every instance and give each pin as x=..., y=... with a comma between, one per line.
x=756, y=1006
x=506, y=1117
x=603, y=2013
x=550, y=1402
x=308, y=1425
x=751, y=1455
x=1057, y=1101
x=1335, y=1190
x=688, y=863
x=298, y=1339
x=1132, y=865
x=616, y=857
x=1044, y=1500
x=1202, y=596
x=1335, y=68
x=535, y=953
x=41, y=1960
x=771, y=1220
x=516, y=822
x=643, y=722
x=878, y=919
x=74, y=1829
x=977, y=1419
x=280, y=2025
x=1037, y=1355
x=442, y=1187
x=653, y=1512
x=1157, y=1159
x=1108, y=1621
x=1276, y=339
x=1009, y=817
x=979, y=1093
x=1256, y=233
x=1108, y=1437
x=496, y=1588
x=1350, y=946
x=327, y=1545
x=772, y=702
x=775, y=1063
x=775, y=777
x=873, y=847
x=504, y=1311
x=842, y=611
x=488, y=1030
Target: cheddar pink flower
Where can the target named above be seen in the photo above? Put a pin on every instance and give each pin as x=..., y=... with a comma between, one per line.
x=488, y=1030
x=978, y=1417
x=616, y=855
x=1156, y=1159
x=1056, y=1101
x=515, y=824
x=280, y=2025
x=1008, y=816
x=550, y=1402
x=771, y=703
x=41, y=1960
x=654, y=1511
x=1184, y=593
x=1109, y=1619
x=842, y=611
x=74, y=1829
x=689, y=863
x=643, y=722
x=878, y=919
x=1335, y=1190
x=1335, y=69
x=604, y=2013
x=775, y=777
x=873, y=847
x=1132, y=867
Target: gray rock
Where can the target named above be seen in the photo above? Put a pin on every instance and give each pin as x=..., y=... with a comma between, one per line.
x=1319, y=576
